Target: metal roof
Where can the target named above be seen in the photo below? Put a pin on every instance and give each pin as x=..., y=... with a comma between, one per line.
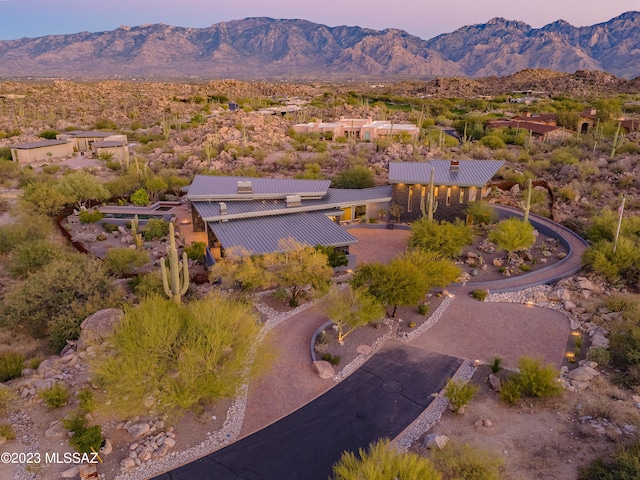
x=41, y=144
x=471, y=173
x=88, y=134
x=261, y=235
x=108, y=144
x=209, y=187
x=335, y=198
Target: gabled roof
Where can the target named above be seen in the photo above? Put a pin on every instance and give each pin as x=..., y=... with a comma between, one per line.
x=41, y=144
x=334, y=199
x=218, y=188
x=470, y=173
x=262, y=234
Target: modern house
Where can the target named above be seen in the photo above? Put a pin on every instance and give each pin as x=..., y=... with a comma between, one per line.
x=542, y=130
x=359, y=128
x=457, y=183
x=41, y=151
x=83, y=141
x=253, y=214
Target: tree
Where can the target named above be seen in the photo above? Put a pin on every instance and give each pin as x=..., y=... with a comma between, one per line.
x=240, y=269
x=382, y=462
x=45, y=197
x=156, y=186
x=406, y=280
x=335, y=257
x=350, y=308
x=81, y=186
x=396, y=210
x=512, y=234
x=31, y=256
x=123, y=260
x=355, y=177
x=176, y=355
x=481, y=212
x=26, y=228
x=49, y=134
x=444, y=238
x=140, y=198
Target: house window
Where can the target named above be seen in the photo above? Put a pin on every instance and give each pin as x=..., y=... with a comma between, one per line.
x=435, y=192
x=410, y=198
x=448, y=201
x=472, y=194
x=461, y=200
x=361, y=211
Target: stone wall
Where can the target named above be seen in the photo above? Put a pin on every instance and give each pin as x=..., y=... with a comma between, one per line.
x=455, y=209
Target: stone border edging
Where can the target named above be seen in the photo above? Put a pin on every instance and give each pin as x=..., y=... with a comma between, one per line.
x=235, y=414
x=380, y=341
x=432, y=414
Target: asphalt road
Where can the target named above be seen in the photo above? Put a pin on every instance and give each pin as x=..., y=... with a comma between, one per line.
x=379, y=400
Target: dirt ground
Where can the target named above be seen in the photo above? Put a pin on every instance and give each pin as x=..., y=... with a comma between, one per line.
x=536, y=439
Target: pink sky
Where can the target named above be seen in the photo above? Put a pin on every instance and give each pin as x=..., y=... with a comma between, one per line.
x=424, y=18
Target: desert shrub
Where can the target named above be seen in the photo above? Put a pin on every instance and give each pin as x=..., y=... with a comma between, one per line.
x=105, y=124
x=381, y=462
x=29, y=257
x=512, y=234
x=494, y=142
x=332, y=359
x=6, y=398
x=27, y=228
x=121, y=261
x=461, y=461
x=90, y=216
x=624, y=464
x=567, y=194
x=51, y=169
x=110, y=227
x=525, y=268
x=84, y=439
x=335, y=257
x=11, y=365
x=147, y=284
x=599, y=355
x=55, y=397
x=182, y=353
x=565, y=156
x=536, y=379
x=479, y=294
x=423, y=309
x=481, y=212
x=140, y=198
x=510, y=392
x=155, y=229
x=48, y=134
x=196, y=251
x=614, y=265
x=459, y=394
x=87, y=400
x=7, y=431
x=358, y=176
x=496, y=365
x=444, y=238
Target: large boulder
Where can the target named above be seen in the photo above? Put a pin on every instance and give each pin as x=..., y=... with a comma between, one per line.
x=98, y=327
x=323, y=369
x=433, y=441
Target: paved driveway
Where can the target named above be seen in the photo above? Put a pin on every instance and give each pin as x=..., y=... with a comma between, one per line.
x=378, y=400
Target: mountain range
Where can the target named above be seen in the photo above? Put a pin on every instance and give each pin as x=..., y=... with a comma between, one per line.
x=266, y=48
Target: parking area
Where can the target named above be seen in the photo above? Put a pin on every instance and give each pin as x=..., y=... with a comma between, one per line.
x=378, y=244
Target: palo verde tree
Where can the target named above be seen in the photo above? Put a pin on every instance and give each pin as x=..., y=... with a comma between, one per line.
x=174, y=356
x=358, y=176
x=512, y=235
x=81, y=186
x=444, y=238
x=406, y=279
x=349, y=308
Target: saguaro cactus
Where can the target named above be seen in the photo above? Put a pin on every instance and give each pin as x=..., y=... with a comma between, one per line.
x=177, y=285
x=618, y=140
x=526, y=206
x=432, y=203
x=135, y=232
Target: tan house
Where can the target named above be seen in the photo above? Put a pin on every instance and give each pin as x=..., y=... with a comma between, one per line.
x=358, y=128
x=40, y=151
x=83, y=141
x=116, y=148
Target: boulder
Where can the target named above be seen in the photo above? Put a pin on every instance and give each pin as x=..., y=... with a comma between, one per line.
x=106, y=448
x=495, y=382
x=433, y=441
x=581, y=374
x=56, y=429
x=128, y=463
x=559, y=294
x=599, y=340
x=96, y=328
x=71, y=472
x=584, y=284
x=138, y=429
x=323, y=369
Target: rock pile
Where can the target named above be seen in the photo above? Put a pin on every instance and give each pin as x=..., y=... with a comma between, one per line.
x=579, y=378
x=149, y=444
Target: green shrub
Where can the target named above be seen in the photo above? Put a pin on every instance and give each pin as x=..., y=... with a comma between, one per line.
x=510, y=392
x=11, y=365
x=599, y=355
x=6, y=397
x=140, y=198
x=7, y=431
x=75, y=422
x=196, y=251
x=479, y=294
x=358, y=176
x=525, y=268
x=535, y=379
x=481, y=213
x=332, y=359
x=512, y=234
x=335, y=256
x=90, y=216
x=493, y=142
x=49, y=134
x=461, y=461
x=624, y=464
x=87, y=400
x=496, y=364
x=423, y=309
x=147, y=285
x=459, y=394
x=110, y=227
x=84, y=439
x=155, y=228
x=444, y=238
x=382, y=462
x=51, y=169
x=30, y=257
x=121, y=261
x=614, y=265
x=55, y=397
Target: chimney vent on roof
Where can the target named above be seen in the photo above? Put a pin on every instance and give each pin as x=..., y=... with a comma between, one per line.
x=293, y=201
x=455, y=165
x=245, y=186
x=223, y=208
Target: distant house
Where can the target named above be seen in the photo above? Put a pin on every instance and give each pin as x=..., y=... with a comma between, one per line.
x=40, y=151
x=457, y=183
x=83, y=140
x=541, y=131
x=117, y=149
x=253, y=214
x=359, y=128
x=630, y=125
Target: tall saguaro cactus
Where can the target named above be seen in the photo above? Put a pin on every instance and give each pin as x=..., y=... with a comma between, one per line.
x=526, y=206
x=135, y=232
x=432, y=203
x=618, y=140
x=176, y=280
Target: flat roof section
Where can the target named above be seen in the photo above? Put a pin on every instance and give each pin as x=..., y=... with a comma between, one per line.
x=42, y=144
x=262, y=234
x=470, y=173
x=211, y=187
